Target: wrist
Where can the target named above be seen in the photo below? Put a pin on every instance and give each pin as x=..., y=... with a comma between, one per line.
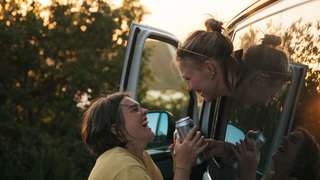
x=219, y=151
x=182, y=169
x=183, y=165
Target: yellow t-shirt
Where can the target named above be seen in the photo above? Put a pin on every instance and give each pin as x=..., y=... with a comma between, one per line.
x=270, y=176
x=118, y=164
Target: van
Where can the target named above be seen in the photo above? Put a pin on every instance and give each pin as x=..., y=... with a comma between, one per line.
x=155, y=82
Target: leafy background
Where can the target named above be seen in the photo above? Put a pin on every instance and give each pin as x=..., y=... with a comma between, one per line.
x=50, y=59
x=53, y=57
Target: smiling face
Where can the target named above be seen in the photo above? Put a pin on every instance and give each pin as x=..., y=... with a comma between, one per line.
x=199, y=80
x=257, y=89
x=135, y=121
x=288, y=149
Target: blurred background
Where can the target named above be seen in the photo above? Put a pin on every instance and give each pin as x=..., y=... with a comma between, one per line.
x=56, y=56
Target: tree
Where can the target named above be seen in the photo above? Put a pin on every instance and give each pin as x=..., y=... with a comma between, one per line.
x=47, y=67
x=302, y=44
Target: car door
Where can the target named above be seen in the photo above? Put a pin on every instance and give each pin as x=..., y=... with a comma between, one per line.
x=277, y=119
x=151, y=77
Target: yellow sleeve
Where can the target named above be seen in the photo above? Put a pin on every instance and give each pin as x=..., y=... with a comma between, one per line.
x=268, y=176
x=133, y=173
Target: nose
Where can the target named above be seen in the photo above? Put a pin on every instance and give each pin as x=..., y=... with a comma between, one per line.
x=284, y=138
x=189, y=87
x=145, y=111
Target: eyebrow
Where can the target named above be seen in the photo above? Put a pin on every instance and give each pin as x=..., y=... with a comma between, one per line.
x=133, y=106
x=295, y=137
x=130, y=106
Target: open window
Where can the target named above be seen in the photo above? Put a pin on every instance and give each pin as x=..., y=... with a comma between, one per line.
x=151, y=77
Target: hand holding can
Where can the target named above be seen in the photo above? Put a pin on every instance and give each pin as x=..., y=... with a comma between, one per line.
x=183, y=126
x=258, y=140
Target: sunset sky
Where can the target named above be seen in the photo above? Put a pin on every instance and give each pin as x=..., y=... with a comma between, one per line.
x=180, y=17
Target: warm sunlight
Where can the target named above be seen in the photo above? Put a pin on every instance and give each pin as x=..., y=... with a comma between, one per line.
x=180, y=17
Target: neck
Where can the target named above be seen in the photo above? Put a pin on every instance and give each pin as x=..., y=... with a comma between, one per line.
x=232, y=78
x=136, y=149
x=281, y=172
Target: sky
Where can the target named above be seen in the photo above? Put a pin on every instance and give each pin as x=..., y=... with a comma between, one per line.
x=180, y=17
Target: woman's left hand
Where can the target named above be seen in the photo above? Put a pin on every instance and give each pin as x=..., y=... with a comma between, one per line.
x=188, y=150
x=248, y=158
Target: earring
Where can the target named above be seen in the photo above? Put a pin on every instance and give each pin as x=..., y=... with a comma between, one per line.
x=212, y=76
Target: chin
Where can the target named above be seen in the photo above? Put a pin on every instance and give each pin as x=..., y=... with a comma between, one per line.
x=275, y=156
x=210, y=99
x=243, y=105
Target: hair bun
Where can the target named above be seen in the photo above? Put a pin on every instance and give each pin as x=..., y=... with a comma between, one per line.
x=213, y=25
x=271, y=40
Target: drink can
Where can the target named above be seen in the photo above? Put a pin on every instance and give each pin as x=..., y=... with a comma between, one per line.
x=183, y=126
x=259, y=140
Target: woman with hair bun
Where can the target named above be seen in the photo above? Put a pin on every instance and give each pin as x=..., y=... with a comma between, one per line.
x=205, y=62
x=264, y=73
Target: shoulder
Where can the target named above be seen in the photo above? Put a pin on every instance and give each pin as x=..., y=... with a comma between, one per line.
x=112, y=163
x=268, y=176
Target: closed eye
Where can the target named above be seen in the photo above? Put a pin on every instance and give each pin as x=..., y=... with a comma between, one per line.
x=134, y=108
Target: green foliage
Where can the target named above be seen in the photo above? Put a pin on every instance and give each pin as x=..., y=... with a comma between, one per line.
x=47, y=66
x=302, y=42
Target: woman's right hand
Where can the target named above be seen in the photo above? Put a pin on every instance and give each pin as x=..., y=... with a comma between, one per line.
x=188, y=151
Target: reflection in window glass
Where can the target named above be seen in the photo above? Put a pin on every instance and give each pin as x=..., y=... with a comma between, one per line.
x=299, y=28
x=162, y=128
x=153, y=119
x=257, y=117
x=234, y=134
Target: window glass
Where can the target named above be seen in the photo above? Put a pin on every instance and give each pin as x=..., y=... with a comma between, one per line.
x=299, y=28
x=153, y=122
x=162, y=128
x=161, y=86
x=258, y=117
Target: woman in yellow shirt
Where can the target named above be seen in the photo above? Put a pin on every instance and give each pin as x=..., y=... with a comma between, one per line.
x=115, y=128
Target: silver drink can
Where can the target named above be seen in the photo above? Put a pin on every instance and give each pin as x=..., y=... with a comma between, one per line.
x=183, y=126
x=259, y=140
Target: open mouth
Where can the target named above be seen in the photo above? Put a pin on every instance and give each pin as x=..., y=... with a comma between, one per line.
x=145, y=123
x=281, y=148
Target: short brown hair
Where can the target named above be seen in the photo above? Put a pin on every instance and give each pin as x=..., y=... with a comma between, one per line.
x=97, y=122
